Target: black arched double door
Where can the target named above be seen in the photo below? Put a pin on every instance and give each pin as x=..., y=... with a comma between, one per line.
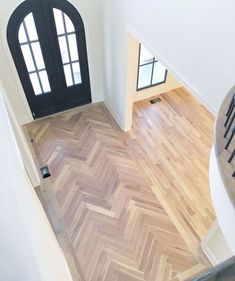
x=48, y=45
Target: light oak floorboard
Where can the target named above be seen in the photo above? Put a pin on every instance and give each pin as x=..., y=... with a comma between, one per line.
x=129, y=206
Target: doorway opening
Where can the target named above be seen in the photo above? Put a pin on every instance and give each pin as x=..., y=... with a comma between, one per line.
x=146, y=79
x=47, y=42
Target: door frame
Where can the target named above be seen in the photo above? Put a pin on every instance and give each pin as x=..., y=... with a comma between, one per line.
x=11, y=81
x=61, y=97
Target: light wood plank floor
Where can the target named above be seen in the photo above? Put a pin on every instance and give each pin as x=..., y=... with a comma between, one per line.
x=129, y=206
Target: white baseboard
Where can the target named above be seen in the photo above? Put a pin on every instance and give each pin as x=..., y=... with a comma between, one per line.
x=196, y=94
x=215, y=246
x=209, y=254
x=25, y=120
x=97, y=99
x=112, y=111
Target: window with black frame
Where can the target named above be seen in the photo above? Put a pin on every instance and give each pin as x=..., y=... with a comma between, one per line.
x=150, y=71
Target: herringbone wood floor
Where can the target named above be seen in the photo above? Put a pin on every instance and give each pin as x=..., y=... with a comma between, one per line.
x=129, y=206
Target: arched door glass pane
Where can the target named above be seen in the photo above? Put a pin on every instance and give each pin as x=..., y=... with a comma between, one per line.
x=32, y=53
x=68, y=48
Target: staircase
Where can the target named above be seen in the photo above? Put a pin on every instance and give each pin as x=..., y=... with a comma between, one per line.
x=222, y=272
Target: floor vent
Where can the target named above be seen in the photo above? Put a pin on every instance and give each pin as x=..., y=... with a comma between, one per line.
x=45, y=172
x=156, y=100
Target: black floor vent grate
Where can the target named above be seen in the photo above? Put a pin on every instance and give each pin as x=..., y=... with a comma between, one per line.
x=45, y=172
x=156, y=100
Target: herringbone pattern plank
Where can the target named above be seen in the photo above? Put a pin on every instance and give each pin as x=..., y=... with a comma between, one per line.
x=108, y=198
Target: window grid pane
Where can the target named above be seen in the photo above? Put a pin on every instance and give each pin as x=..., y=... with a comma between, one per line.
x=159, y=73
x=36, y=84
x=37, y=52
x=145, y=56
x=69, y=24
x=28, y=57
x=22, y=34
x=150, y=71
x=68, y=75
x=59, y=21
x=45, y=81
x=73, y=47
x=145, y=76
x=32, y=53
x=30, y=27
x=77, y=73
x=64, y=50
x=68, y=48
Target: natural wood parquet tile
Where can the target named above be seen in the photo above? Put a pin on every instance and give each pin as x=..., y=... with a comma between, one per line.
x=129, y=206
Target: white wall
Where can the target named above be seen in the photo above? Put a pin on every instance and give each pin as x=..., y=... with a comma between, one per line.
x=223, y=203
x=133, y=64
x=90, y=12
x=114, y=58
x=23, y=144
x=194, y=39
x=28, y=248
